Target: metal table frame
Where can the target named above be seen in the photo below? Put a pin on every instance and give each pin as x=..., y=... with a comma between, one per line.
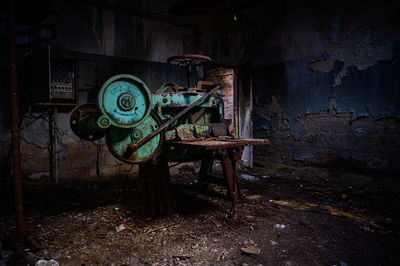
x=228, y=152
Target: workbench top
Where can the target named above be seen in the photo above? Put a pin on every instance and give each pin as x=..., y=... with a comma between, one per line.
x=213, y=144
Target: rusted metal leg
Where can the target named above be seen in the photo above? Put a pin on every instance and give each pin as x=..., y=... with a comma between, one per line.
x=236, y=155
x=228, y=168
x=205, y=168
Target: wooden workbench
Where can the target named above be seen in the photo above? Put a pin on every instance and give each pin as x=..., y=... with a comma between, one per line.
x=228, y=152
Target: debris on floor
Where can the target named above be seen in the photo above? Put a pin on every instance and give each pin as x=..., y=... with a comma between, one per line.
x=254, y=197
x=330, y=209
x=120, y=228
x=248, y=177
x=280, y=226
x=77, y=223
x=251, y=250
x=47, y=263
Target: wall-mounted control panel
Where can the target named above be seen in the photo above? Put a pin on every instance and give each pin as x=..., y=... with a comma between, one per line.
x=62, y=88
x=50, y=79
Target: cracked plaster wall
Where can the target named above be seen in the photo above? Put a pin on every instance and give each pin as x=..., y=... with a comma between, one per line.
x=77, y=157
x=332, y=97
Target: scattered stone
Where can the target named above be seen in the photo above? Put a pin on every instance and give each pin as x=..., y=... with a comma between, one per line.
x=214, y=221
x=251, y=250
x=52, y=263
x=367, y=229
x=254, y=197
x=182, y=257
x=248, y=177
x=280, y=226
x=120, y=228
x=222, y=255
x=55, y=255
x=273, y=242
x=47, y=263
x=41, y=263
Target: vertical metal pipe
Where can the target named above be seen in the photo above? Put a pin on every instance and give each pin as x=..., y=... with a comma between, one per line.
x=189, y=74
x=15, y=136
x=53, y=144
x=98, y=149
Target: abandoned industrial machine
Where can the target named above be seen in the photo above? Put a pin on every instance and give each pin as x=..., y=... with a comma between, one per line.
x=174, y=124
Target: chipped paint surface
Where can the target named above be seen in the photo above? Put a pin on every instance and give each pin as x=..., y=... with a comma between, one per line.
x=308, y=101
x=225, y=76
x=301, y=91
x=181, y=99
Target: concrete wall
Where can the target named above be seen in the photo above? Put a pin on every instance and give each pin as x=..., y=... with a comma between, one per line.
x=326, y=86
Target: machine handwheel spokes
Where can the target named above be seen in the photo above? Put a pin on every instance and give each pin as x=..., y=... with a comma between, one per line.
x=118, y=140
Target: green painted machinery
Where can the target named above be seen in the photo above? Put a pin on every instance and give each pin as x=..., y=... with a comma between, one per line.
x=138, y=125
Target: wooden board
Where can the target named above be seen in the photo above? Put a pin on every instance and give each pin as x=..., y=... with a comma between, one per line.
x=219, y=144
x=254, y=142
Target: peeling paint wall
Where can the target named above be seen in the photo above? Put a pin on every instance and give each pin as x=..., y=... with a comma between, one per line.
x=226, y=77
x=245, y=111
x=334, y=96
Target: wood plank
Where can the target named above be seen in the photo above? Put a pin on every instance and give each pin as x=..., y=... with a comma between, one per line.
x=256, y=142
x=209, y=144
x=213, y=144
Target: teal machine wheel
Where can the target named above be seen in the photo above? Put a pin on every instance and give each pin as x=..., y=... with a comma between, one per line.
x=125, y=101
x=118, y=140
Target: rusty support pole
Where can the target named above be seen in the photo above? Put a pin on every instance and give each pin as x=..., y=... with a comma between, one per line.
x=12, y=56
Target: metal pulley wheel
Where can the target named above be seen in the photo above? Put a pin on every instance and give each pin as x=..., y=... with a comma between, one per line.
x=125, y=101
x=118, y=140
x=83, y=122
x=189, y=60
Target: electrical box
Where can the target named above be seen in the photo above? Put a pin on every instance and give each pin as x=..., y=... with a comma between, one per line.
x=62, y=80
x=50, y=79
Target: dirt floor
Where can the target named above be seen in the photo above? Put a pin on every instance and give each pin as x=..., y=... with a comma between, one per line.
x=292, y=215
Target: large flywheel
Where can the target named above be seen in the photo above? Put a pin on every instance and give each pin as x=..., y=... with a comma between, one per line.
x=118, y=140
x=125, y=101
x=83, y=122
